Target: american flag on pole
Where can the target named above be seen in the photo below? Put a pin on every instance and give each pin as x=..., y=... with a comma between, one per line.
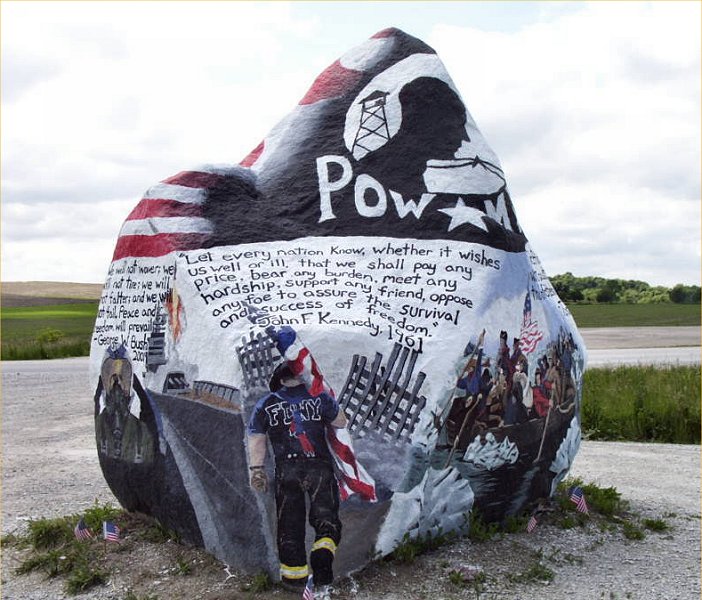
x=82, y=531
x=531, y=525
x=110, y=531
x=577, y=497
x=308, y=593
x=530, y=335
x=168, y=217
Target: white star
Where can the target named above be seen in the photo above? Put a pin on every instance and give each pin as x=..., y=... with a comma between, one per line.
x=461, y=214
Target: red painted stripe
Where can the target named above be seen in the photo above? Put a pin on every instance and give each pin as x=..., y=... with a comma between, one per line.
x=334, y=81
x=343, y=493
x=194, y=179
x=253, y=156
x=366, y=491
x=152, y=207
x=156, y=245
x=386, y=33
x=317, y=380
x=342, y=450
x=297, y=366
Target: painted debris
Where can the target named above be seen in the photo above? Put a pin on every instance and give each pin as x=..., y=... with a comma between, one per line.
x=370, y=245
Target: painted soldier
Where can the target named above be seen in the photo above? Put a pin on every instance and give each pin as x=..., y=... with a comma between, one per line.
x=295, y=422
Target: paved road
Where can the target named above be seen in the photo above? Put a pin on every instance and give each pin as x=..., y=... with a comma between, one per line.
x=609, y=357
x=611, y=346
x=597, y=338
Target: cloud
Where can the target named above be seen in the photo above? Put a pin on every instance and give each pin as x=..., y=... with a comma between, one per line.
x=42, y=221
x=595, y=116
x=595, y=229
x=163, y=93
x=57, y=259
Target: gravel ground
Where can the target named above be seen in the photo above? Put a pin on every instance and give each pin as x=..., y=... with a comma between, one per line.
x=50, y=469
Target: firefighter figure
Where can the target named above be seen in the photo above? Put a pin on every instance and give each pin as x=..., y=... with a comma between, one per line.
x=295, y=423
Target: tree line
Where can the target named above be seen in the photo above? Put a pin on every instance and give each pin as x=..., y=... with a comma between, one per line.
x=599, y=290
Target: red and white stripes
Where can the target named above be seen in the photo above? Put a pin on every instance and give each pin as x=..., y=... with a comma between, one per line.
x=168, y=217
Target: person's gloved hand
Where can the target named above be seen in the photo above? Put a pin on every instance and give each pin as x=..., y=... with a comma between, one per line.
x=259, y=479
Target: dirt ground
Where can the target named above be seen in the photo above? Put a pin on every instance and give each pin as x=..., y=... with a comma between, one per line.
x=50, y=468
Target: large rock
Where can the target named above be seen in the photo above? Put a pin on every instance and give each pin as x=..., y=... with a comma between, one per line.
x=375, y=221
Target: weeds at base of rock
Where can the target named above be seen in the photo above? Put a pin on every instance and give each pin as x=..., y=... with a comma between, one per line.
x=183, y=567
x=260, y=582
x=658, y=525
x=474, y=580
x=536, y=572
x=611, y=512
x=412, y=547
x=632, y=531
x=52, y=547
x=83, y=577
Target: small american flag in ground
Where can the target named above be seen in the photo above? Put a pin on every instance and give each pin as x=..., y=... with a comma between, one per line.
x=110, y=531
x=531, y=525
x=578, y=498
x=308, y=593
x=82, y=531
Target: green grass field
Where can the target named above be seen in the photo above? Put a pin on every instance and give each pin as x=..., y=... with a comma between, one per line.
x=642, y=404
x=55, y=331
x=635, y=315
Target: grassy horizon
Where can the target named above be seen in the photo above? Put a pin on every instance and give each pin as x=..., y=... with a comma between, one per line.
x=635, y=315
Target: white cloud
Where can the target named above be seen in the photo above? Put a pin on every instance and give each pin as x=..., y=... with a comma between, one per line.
x=102, y=100
x=595, y=229
x=595, y=115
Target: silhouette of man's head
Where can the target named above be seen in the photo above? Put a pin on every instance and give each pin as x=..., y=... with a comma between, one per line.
x=433, y=118
x=433, y=127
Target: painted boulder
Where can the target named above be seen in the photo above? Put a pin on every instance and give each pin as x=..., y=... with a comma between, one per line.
x=364, y=260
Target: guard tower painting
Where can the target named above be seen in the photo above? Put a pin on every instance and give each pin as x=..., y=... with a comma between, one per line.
x=373, y=129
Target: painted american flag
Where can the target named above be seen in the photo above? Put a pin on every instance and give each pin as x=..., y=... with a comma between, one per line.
x=530, y=334
x=168, y=217
x=577, y=497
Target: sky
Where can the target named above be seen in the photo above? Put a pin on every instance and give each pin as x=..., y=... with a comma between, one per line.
x=592, y=108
